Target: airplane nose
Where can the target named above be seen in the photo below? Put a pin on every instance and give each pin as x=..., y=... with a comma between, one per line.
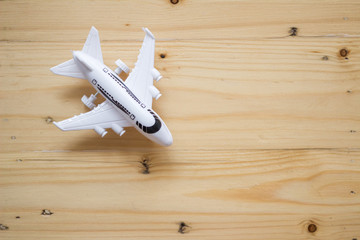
x=168, y=140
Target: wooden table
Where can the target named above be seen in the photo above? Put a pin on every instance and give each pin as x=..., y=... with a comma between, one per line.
x=262, y=98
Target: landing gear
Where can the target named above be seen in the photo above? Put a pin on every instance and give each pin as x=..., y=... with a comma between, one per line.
x=89, y=101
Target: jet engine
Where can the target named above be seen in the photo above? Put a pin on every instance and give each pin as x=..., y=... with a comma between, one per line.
x=156, y=74
x=121, y=67
x=155, y=93
x=101, y=131
x=117, y=129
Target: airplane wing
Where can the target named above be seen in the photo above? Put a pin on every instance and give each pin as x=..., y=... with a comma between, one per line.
x=101, y=117
x=92, y=45
x=140, y=79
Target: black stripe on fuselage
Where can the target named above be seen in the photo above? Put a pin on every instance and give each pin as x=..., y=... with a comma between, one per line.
x=152, y=129
x=120, y=82
x=111, y=99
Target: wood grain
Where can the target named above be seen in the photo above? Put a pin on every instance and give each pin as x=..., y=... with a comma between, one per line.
x=266, y=126
x=222, y=95
x=218, y=194
x=201, y=19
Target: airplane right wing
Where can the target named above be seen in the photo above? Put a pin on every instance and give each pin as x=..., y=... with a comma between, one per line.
x=141, y=79
x=101, y=117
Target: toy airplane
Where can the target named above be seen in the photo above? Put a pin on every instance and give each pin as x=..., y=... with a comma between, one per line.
x=128, y=103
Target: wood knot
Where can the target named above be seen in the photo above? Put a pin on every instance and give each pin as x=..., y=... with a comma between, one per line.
x=174, y=1
x=343, y=52
x=145, y=162
x=312, y=228
x=3, y=227
x=183, y=228
x=46, y=212
x=163, y=55
x=293, y=31
x=325, y=58
x=49, y=120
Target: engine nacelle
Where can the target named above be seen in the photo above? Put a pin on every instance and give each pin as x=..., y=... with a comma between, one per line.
x=121, y=67
x=101, y=131
x=156, y=74
x=117, y=129
x=155, y=93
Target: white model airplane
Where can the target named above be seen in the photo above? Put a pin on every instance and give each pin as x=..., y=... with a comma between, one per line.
x=128, y=103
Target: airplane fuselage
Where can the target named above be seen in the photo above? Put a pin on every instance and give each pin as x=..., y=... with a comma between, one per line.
x=113, y=89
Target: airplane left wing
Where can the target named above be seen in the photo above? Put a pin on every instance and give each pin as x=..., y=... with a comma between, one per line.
x=101, y=117
x=141, y=79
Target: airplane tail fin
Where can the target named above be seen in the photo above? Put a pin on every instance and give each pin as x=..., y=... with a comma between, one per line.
x=91, y=47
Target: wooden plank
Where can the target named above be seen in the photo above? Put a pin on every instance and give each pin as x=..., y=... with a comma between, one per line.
x=219, y=194
x=258, y=94
x=203, y=19
x=266, y=126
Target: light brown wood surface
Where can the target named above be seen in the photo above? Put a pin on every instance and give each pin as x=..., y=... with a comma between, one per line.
x=266, y=126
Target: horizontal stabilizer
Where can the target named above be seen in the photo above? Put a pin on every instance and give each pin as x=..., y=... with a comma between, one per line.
x=68, y=68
